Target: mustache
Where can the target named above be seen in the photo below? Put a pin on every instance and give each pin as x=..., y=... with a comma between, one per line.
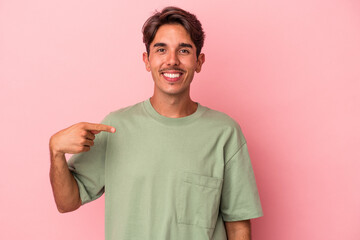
x=171, y=69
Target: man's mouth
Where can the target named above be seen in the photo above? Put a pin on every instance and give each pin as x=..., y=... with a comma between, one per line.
x=171, y=77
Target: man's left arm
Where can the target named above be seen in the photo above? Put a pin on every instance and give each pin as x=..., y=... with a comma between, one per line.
x=238, y=230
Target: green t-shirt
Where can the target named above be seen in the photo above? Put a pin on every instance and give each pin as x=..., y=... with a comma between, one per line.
x=168, y=178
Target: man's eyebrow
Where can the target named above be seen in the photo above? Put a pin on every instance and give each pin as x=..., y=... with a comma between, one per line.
x=185, y=45
x=160, y=44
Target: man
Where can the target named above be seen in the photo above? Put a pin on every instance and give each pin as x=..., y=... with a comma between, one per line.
x=174, y=169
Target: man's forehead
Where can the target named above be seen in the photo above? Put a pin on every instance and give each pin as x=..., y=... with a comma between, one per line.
x=171, y=30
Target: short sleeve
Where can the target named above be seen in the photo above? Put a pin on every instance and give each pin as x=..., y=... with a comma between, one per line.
x=88, y=168
x=240, y=199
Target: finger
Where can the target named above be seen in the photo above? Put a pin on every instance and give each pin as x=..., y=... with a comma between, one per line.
x=89, y=135
x=99, y=127
x=88, y=143
x=85, y=149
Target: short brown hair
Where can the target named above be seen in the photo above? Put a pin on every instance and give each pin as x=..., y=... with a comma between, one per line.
x=174, y=15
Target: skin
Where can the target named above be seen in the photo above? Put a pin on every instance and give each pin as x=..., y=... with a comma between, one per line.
x=238, y=230
x=172, y=51
x=74, y=139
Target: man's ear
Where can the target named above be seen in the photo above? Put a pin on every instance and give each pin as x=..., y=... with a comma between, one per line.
x=200, y=62
x=146, y=61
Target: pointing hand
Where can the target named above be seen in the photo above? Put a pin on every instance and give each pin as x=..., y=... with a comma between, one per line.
x=77, y=138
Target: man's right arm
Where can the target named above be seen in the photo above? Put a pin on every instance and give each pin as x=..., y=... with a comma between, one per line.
x=75, y=139
x=63, y=183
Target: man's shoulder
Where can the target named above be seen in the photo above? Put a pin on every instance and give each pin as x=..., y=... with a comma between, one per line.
x=128, y=109
x=219, y=118
x=125, y=112
x=225, y=125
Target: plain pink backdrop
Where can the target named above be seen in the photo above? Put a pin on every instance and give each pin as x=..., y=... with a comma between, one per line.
x=287, y=71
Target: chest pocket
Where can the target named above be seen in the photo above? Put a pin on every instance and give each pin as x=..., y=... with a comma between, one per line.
x=198, y=200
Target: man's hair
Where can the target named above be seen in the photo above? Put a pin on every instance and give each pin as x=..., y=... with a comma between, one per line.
x=174, y=15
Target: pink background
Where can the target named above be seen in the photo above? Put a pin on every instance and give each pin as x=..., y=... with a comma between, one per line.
x=287, y=71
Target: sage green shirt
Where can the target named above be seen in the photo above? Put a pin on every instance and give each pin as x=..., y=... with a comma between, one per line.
x=168, y=178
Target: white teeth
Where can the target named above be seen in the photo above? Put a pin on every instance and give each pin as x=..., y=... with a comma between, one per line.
x=172, y=75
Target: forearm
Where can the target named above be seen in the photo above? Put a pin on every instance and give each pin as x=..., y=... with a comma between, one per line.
x=240, y=230
x=63, y=183
x=74, y=139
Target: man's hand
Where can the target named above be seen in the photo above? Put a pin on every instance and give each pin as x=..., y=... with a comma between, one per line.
x=77, y=138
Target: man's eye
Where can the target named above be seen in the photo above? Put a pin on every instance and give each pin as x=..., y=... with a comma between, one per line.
x=184, y=51
x=160, y=50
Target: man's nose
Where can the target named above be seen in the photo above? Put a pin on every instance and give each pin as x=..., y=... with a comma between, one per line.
x=172, y=59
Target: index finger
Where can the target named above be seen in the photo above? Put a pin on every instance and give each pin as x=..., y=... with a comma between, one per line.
x=99, y=127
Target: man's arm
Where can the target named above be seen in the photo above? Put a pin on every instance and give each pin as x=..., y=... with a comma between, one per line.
x=75, y=139
x=238, y=230
x=63, y=183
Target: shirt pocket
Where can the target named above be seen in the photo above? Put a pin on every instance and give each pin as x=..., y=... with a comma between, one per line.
x=198, y=200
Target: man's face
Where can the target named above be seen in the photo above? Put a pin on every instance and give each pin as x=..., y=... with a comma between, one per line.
x=172, y=60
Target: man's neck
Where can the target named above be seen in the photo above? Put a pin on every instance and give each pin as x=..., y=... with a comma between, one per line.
x=173, y=106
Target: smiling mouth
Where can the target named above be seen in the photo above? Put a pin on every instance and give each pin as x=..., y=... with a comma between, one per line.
x=171, y=77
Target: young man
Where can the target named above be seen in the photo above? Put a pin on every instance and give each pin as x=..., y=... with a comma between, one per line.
x=174, y=169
